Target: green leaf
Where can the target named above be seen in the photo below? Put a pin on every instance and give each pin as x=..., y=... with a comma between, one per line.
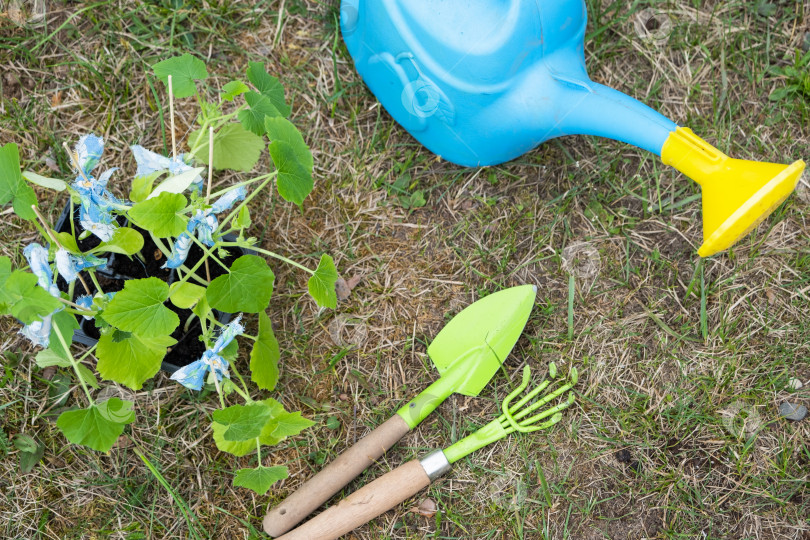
x=5, y=273
x=29, y=460
x=139, y=309
x=248, y=287
x=242, y=219
x=177, y=183
x=261, y=478
x=87, y=376
x=265, y=355
x=25, y=443
x=268, y=85
x=68, y=242
x=291, y=423
x=281, y=129
x=133, y=360
x=28, y=301
x=142, y=186
x=322, y=283
x=234, y=148
x=30, y=451
x=14, y=284
x=98, y=426
x=49, y=357
x=201, y=309
x=237, y=448
x=260, y=108
x=233, y=89
x=12, y=187
x=36, y=305
x=241, y=448
x=779, y=94
x=161, y=215
x=243, y=422
x=184, y=71
x=294, y=181
x=125, y=241
x=49, y=183
x=67, y=324
x=185, y=295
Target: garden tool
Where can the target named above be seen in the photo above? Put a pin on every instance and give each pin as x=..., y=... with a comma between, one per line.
x=467, y=353
x=481, y=83
x=407, y=480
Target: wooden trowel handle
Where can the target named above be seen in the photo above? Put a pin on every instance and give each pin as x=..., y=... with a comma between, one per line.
x=318, y=489
x=365, y=504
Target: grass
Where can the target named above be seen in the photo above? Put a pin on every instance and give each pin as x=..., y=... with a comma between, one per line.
x=683, y=362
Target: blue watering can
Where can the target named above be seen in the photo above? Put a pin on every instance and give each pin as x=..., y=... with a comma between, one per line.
x=481, y=82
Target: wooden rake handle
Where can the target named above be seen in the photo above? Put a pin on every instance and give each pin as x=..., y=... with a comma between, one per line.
x=365, y=504
x=318, y=489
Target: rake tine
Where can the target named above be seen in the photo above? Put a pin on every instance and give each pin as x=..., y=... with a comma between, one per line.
x=550, y=397
x=510, y=421
x=552, y=372
x=549, y=412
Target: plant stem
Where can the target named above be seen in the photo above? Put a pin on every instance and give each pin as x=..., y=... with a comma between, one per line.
x=188, y=323
x=41, y=230
x=210, y=165
x=168, y=254
x=73, y=363
x=209, y=252
x=83, y=310
x=87, y=352
x=246, y=395
x=52, y=235
x=70, y=218
x=239, y=184
x=208, y=188
x=250, y=196
x=95, y=281
x=217, y=121
x=270, y=254
x=195, y=147
x=219, y=391
x=259, y=451
x=163, y=249
x=190, y=273
x=171, y=117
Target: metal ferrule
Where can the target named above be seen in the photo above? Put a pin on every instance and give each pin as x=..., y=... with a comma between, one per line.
x=435, y=464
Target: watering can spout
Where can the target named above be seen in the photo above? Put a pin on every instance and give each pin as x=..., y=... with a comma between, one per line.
x=481, y=83
x=737, y=194
x=594, y=109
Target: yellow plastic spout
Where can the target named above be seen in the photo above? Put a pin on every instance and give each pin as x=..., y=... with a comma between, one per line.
x=737, y=194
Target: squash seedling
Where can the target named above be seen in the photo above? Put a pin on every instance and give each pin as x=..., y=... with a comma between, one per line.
x=155, y=272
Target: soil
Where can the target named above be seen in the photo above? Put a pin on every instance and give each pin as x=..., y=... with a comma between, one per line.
x=214, y=268
x=135, y=268
x=189, y=347
x=121, y=265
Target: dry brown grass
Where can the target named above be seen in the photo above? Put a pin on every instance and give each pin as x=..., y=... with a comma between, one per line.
x=651, y=384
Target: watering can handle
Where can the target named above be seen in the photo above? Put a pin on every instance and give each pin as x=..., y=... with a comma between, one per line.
x=365, y=504
x=318, y=489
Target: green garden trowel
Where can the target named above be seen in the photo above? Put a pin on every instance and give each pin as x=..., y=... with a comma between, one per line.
x=407, y=480
x=467, y=352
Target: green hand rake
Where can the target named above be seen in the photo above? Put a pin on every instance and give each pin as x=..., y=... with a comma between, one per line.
x=406, y=480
